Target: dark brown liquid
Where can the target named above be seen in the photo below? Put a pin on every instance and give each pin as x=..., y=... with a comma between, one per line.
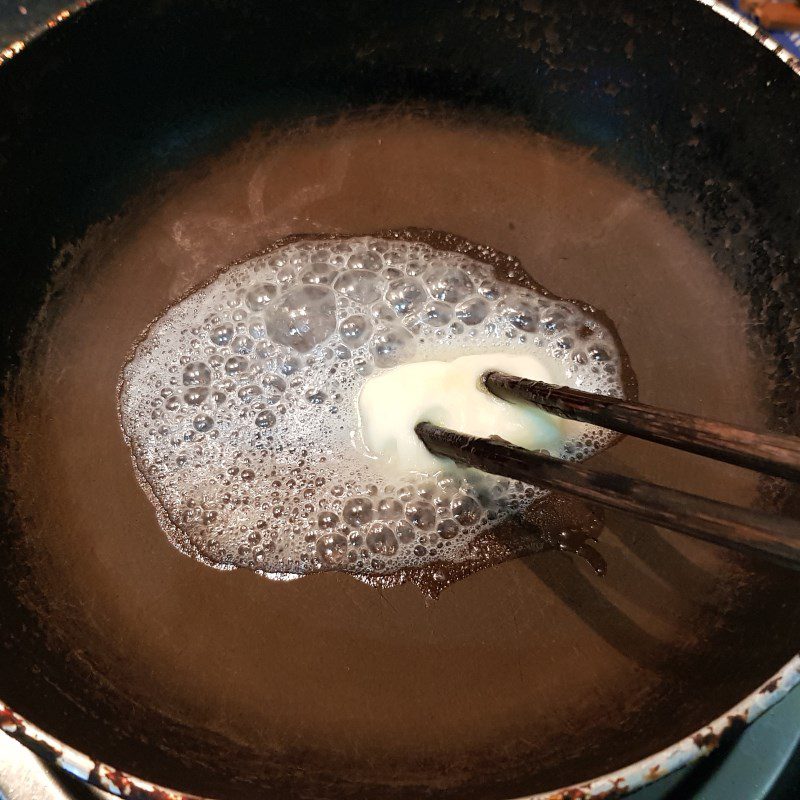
x=555, y=523
x=326, y=663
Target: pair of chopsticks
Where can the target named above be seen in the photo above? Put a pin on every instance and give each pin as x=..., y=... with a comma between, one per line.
x=746, y=530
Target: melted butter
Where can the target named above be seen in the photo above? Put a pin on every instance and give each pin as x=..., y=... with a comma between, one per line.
x=451, y=394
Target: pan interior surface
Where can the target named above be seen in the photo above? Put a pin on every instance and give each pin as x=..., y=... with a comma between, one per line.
x=601, y=148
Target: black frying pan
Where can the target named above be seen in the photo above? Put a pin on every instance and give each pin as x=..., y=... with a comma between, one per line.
x=525, y=677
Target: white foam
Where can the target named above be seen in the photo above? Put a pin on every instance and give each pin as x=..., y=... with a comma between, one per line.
x=240, y=403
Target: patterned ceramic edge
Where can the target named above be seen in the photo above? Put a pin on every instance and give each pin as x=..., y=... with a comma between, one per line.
x=688, y=750
x=613, y=785
x=609, y=786
x=759, y=34
x=82, y=766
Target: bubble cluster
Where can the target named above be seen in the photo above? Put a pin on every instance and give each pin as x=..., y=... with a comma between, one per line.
x=240, y=406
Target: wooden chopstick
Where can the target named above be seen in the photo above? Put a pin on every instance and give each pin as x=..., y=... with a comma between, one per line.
x=746, y=530
x=770, y=453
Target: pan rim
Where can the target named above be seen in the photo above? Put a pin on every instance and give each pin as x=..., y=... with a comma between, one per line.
x=616, y=783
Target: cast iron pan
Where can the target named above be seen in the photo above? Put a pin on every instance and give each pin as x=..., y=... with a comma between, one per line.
x=523, y=678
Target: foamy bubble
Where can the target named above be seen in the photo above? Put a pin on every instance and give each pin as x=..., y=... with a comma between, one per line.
x=240, y=402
